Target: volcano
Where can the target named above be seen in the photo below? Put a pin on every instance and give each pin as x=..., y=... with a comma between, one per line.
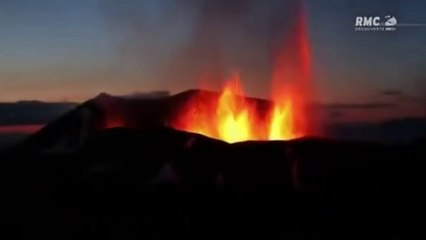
x=228, y=115
x=162, y=183
x=113, y=168
x=106, y=111
x=231, y=118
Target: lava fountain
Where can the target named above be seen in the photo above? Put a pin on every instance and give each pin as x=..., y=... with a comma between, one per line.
x=233, y=118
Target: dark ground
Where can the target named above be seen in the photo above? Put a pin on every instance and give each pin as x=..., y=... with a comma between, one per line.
x=127, y=183
x=8, y=140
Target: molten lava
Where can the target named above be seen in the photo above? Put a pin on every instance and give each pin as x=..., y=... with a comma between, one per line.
x=233, y=114
x=233, y=117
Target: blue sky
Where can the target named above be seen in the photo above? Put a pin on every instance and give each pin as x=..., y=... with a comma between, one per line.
x=378, y=60
x=46, y=45
x=71, y=50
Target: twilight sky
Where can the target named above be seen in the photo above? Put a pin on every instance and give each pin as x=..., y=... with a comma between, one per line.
x=57, y=50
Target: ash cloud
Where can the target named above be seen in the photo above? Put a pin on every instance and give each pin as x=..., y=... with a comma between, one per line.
x=174, y=42
x=148, y=95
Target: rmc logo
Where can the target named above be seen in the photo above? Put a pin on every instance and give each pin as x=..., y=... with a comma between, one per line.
x=375, y=23
x=367, y=21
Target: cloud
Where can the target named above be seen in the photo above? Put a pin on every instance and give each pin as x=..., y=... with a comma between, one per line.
x=391, y=92
x=360, y=106
x=149, y=95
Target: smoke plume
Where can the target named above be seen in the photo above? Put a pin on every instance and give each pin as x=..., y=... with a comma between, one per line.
x=177, y=44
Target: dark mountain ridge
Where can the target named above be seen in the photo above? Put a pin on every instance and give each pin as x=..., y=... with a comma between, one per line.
x=106, y=111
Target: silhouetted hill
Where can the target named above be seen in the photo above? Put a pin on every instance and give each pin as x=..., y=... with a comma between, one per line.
x=106, y=111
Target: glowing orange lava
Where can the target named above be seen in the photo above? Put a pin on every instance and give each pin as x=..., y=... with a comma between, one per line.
x=233, y=114
x=233, y=117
